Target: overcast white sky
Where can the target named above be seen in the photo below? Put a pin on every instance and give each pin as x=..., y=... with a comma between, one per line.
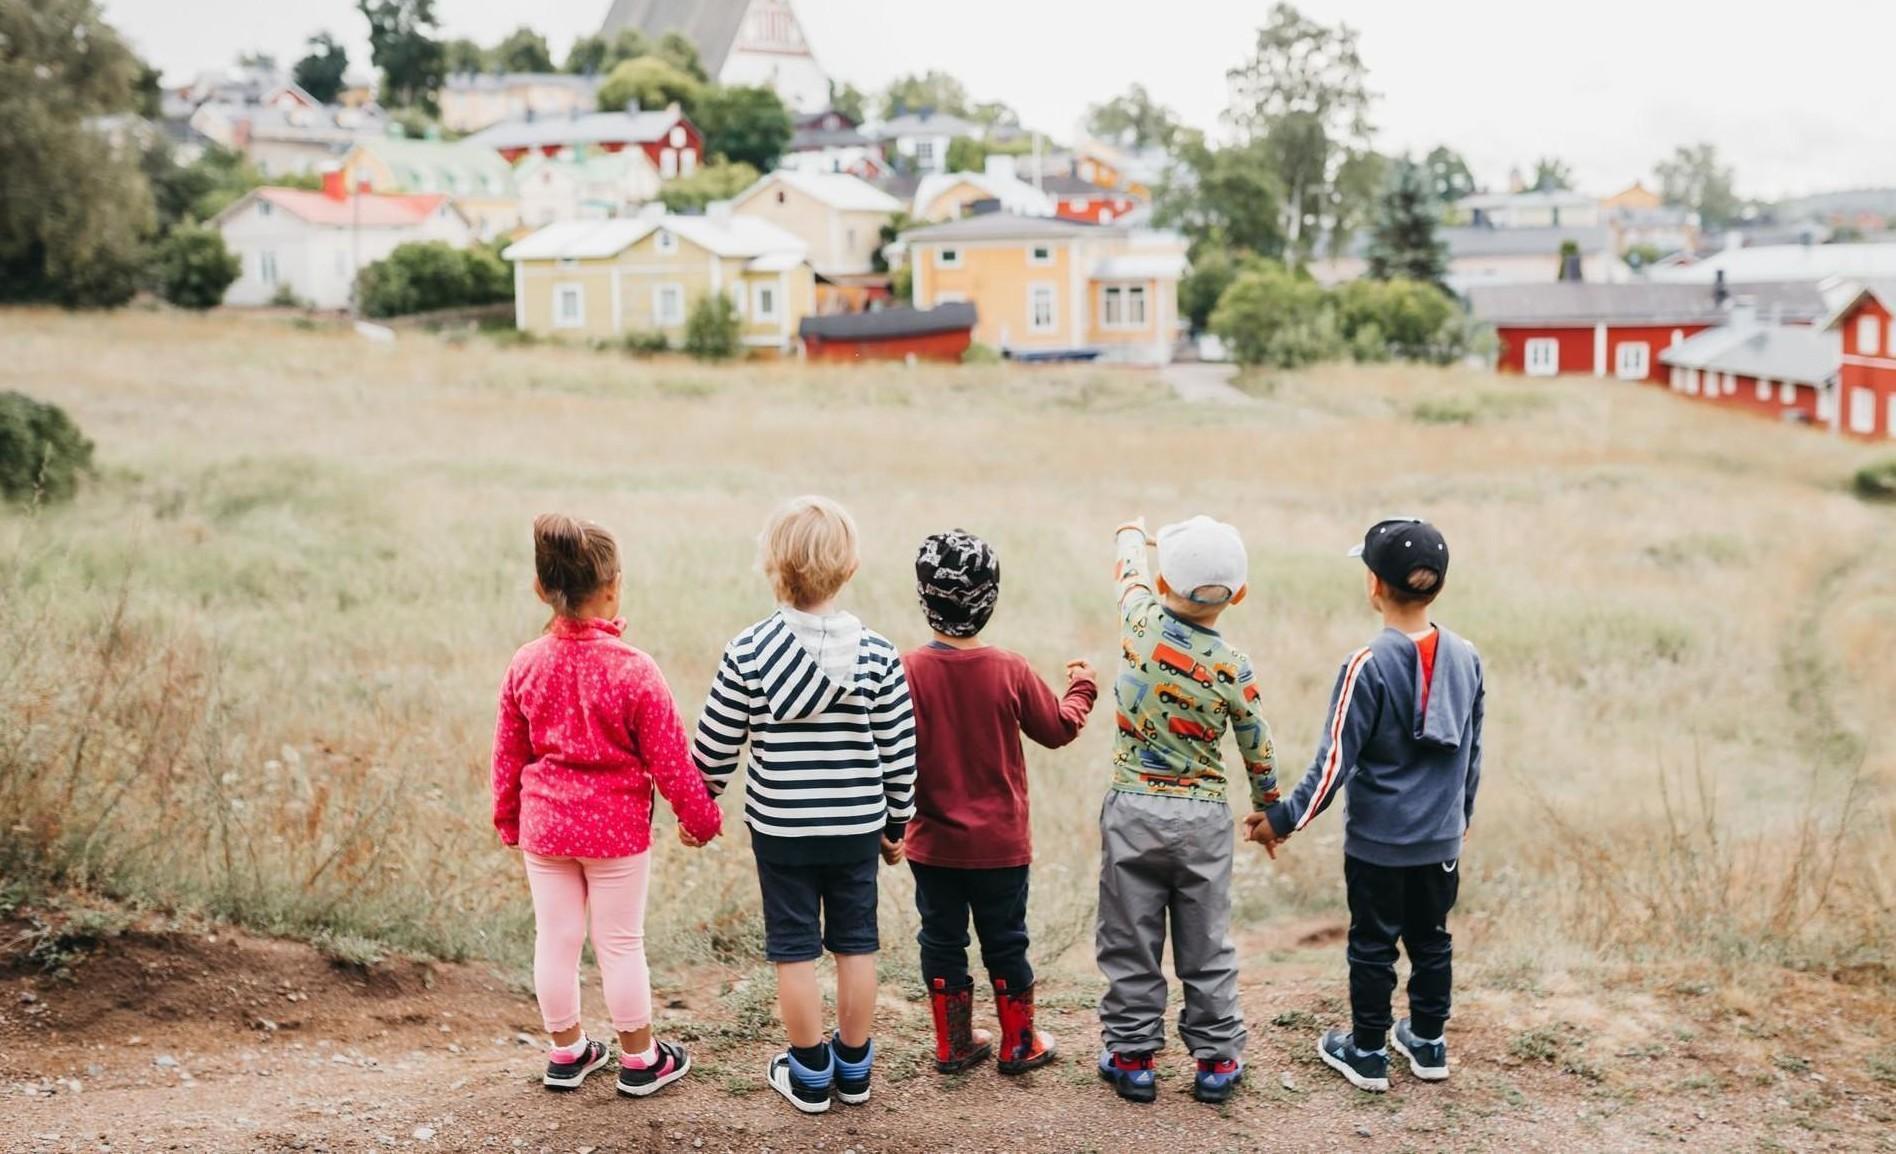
x=1797, y=97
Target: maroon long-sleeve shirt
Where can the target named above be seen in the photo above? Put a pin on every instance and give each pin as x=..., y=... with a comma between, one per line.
x=971, y=707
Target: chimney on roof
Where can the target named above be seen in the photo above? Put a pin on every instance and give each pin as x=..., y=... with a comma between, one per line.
x=1721, y=293
x=336, y=184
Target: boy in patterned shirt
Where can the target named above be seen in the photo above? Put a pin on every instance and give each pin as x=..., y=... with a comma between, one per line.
x=1166, y=830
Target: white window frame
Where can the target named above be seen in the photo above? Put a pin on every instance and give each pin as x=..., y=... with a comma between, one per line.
x=666, y=243
x=924, y=150
x=1787, y=392
x=661, y=293
x=1862, y=410
x=1037, y=292
x=1764, y=390
x=1889, y=426
x=267, y=266
x=764, y=301
x=951, y=298
x=948, y=257
x=1731, y=383
x=1630, y=367
x=667, y=163
x=1117, y=307
x=1540, y=357
x=1040, y=255
x=1869, y=336
x=687, y=161
x=563, y=293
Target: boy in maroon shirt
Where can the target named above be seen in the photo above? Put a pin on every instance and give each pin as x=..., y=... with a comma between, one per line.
x=969, y=844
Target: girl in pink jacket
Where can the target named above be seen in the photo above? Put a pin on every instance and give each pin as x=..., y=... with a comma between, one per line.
x=587, y=727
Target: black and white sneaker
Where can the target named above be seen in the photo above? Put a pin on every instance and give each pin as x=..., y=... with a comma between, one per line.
x=1369, y=1072
x=806, y=1089
x=1427, y=1060
x=571, y=1074
x=673, y=1063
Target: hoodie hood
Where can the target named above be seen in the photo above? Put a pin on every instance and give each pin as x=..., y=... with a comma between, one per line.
x=1451, y=692
x=815, y=662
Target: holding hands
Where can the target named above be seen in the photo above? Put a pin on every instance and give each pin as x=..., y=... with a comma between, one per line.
x=684, y=835
x=1257, y=828
x=894, y=851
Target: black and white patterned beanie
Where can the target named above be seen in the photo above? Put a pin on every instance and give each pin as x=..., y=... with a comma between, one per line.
x=959, y=579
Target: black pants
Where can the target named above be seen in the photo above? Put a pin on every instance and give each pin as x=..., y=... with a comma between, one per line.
x=1411, y=903
x=997, y=899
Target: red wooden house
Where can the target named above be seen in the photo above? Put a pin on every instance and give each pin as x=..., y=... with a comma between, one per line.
x=1620, y=330
x=1084, y=201
x=942, y=333
x=1866, y=378
x=668, y=138
x=1785, y=372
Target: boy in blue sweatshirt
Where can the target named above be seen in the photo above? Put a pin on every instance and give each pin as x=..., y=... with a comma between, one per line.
x=1404, y=737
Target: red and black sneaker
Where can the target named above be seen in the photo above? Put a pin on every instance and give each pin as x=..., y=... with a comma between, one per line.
x=1134, y=1076
x=563, y=1073
x=1216, y=1079
x=672, y=1064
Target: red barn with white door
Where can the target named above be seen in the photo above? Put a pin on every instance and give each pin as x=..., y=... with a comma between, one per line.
x=1867, y=377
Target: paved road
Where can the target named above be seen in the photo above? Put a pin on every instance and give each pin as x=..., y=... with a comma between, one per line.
x=1208, y=384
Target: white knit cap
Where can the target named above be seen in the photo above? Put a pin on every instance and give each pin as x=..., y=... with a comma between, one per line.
x=1201, y=552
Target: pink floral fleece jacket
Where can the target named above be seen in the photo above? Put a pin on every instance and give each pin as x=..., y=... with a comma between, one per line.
x=587, y=726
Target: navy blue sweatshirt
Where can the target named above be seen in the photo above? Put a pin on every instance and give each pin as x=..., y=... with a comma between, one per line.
x=1410, y=777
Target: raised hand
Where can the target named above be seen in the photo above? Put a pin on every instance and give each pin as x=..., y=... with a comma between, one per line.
x=1080, y=669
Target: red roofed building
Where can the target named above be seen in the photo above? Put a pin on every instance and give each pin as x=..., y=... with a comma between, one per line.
x=1867, y=378
x=309, y=245
x=670, y=141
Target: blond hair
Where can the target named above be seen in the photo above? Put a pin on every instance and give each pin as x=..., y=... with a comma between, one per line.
x=573, y=559
x=808, y=550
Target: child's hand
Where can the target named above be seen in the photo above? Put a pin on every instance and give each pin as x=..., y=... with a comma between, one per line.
x=684, y=835
x=1080, y=669
x=1257, y=828
x=894, y=851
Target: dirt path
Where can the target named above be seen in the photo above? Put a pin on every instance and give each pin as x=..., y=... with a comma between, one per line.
x=1206, y=384
x=217, y=1042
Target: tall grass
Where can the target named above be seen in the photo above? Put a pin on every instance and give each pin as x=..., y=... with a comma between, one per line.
x=252, y=669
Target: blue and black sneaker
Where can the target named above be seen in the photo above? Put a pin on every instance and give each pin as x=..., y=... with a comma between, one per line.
x=1133, y=1075
x=568, y=1072
x=1216, y=1079
x=802, y=1086
x=1366, y=1071
x=852, y=1078
x=1428, y=1060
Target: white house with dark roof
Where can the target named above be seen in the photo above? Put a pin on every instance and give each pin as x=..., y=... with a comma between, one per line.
x=918, y=141
x=751, y=42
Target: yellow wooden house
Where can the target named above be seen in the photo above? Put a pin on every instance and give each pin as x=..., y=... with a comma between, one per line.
x=481, y=183
x=599, y=280
x=1047, y=288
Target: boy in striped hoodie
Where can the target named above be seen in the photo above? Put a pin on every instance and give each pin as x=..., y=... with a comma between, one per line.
x=823, y=703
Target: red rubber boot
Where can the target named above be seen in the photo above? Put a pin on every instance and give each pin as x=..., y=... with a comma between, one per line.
x=958, y=1045
x=1023, y=1048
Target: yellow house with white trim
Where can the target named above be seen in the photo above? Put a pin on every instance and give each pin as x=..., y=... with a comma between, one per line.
x=1047, y=288
x=597, y=280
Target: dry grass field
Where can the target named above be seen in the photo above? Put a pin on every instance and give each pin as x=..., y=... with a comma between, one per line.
x=251, y=671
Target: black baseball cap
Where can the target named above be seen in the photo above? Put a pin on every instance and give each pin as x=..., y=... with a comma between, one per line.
x=1395, y=548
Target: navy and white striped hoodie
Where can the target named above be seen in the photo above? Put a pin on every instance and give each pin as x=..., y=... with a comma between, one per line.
x=832, y=763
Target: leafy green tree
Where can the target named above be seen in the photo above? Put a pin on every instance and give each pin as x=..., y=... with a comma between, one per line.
x=932, y=90
x=1211, y=274
x=402, y=44
x=191, y=268
x=1552, y=174
x=1571, y=268
x=651, y=83
x=587, y=56
x=716, y=181
x=74, y=208
x=677, y=50
x=994, y=114
x=1449, y=176
x=320, y=73
x=464, y=56
x=1404, y=318
x=1133, y=118
x=713, y=331
x=200, y=190
x=524, y=50
x=1695, y=179
x=744, y=125
x=1303, y=95
x=891, y=228
x=848, y=100
x=42, y=453
x=966, y=154
x=1231, y=199
x=1273, y=316
x=425, y=276
x=1404, y=244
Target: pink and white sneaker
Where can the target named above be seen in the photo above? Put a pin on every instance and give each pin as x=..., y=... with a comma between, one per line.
x=672, y=1064
x=568, y=1072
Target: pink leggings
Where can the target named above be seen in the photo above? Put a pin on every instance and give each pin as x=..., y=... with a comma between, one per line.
x=564, y=889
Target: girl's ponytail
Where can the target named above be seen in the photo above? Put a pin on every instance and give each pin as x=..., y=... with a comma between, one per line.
x=573, y=559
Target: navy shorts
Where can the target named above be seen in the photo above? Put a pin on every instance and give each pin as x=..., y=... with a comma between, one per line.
x=811, y=908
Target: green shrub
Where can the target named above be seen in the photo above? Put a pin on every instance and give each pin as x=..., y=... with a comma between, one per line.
x=644, y=344
x=713, y=331
x=1272, y=316
x=719, y=180
x=191, y=268
x=1877, y=482
x=980, y=354
x=42, y=453
x=427, y=276
x=285, y=298
x=1413, y=320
